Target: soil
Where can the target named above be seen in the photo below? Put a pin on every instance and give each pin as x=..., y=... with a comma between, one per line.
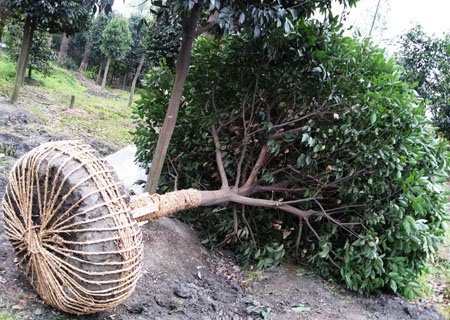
x=181, y=278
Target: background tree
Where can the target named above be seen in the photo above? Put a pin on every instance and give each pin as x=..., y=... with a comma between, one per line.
x=256, y=17
x=94, y=39
x=162, y=43
x=136, y=56
x=426, y=61
x=49, y=15
x=315, y=150
x=116, y=42
x=41, y=55
x=64, y=47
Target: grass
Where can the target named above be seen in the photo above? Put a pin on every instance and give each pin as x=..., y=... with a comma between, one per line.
x=436, y=284
x=103, y=119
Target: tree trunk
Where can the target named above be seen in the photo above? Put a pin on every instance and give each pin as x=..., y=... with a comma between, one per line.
x=105, y=74
x=374, y=18
x=125, y=78
x=30, y=69
x=49, y=42
x=147, y=207
x=85, y=61
x=184, y=60
x=22, y=58
x=63, y=48
x=27, y=59
x=136, y=76
x=2, y=26
x=99, y=73
x=113, y=71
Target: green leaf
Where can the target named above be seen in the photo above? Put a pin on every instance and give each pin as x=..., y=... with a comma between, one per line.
x=373, y=117
x=300, y=308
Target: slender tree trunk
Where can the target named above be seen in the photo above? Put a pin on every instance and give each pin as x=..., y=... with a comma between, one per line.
x=22, y=58
x=113, y=71
x=136, y=76
x=99, y=73
x=105, y=74
x=49, y=42
x=374, y=18
x=85, y=61
x=30, y=69
x=2, y=26
x=125, y=78
x=27, y=59
x=63, y=48
x=183, y=62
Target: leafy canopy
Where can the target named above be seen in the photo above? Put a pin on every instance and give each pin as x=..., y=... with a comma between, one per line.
x=346, y=139
x=426, y=61
x=69, y=16
x=116, y=38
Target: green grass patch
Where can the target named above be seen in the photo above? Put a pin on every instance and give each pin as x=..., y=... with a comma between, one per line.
x=103, y=119
x=436, y=284
x=7, y=69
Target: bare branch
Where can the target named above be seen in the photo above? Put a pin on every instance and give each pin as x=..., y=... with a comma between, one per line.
x=300, y=228
x=223, y=175
x=273, y=204
x=248, y=225
x=175, y=176
x=204, y=29
x=257, y=167
x=244, y=146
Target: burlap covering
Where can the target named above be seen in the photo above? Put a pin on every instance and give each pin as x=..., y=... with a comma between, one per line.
x=69, y=222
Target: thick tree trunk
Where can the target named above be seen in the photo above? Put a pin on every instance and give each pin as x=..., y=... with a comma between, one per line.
x=84, y=63
x=99, y=73
x=136, y=76
x=183, y=62
x=105, y=74
x=63, y=48
x=148, y=207
x=22, y=58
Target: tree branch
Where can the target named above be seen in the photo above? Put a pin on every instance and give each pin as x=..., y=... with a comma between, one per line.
x=204, y=29
x=220, y=167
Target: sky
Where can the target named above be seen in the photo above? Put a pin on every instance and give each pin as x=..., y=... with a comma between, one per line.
x=401, y=15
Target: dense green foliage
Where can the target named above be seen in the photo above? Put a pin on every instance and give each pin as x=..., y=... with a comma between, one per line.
x=69, y=16
x=257, y=17
x=116, y=38
x=339, y=135
x=426, y=61
x=163, y=39
x=41, y=56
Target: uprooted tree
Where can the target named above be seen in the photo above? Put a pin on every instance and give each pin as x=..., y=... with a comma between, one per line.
x=314, y=150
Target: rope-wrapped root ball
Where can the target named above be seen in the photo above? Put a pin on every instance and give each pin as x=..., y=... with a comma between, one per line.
x=69, y=221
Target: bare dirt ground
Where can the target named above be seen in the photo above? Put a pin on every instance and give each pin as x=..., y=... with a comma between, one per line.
x=181, y=278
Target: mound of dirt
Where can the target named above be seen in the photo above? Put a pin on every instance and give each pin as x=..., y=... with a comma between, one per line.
x=184, y=280
x=102, y=94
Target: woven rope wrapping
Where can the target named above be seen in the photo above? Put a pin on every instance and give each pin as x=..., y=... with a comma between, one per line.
x=69, y=222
